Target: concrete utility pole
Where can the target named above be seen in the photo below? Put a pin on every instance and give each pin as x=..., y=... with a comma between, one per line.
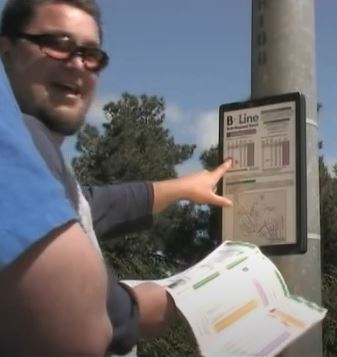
x=283, y=60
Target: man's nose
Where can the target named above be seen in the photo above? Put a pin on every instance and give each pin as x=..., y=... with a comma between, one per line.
x=76, y=61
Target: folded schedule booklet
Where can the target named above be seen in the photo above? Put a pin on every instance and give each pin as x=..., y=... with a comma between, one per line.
x=238, y=304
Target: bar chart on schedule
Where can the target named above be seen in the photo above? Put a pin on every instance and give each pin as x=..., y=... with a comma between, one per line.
x=242, y=153
x=275, y=152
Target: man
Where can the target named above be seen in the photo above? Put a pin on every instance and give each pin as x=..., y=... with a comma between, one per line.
x=51, y=50
x=32, y=207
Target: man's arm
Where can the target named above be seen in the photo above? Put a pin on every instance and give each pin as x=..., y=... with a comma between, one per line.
x=198, y=188
x=128, y=207
x=53, y=298
x=120, y=208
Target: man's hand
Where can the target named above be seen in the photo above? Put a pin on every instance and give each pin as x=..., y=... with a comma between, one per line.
x=156, y=308
x=198, y=188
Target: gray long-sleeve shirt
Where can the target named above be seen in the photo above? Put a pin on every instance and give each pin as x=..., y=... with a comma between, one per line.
x=121, y=208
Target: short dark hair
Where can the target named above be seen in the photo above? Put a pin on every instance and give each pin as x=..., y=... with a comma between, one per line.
x=17, y=14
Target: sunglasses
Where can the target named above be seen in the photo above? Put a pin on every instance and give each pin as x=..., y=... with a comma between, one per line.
x=62, y=47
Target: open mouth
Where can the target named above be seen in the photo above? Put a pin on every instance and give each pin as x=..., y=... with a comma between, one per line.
x=67, y=88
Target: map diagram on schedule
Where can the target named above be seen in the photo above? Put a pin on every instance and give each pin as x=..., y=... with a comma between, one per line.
x=261, y=217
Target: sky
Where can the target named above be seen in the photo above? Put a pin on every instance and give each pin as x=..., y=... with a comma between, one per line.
x=196, y=55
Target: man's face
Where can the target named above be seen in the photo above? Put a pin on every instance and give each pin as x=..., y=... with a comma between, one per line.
x=56, y=92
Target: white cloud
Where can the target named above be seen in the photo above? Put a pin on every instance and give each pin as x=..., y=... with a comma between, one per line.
x=174, y=113
x=95, y=114
x=200, y=129
x=207, y=130
x=188, y=167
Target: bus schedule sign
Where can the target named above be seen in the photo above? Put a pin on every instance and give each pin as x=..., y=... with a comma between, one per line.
x=266, y=139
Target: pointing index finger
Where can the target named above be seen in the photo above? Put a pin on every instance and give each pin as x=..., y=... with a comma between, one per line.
x=222, y=169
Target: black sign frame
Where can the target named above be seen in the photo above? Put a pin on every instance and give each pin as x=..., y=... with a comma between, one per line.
x=300, y=245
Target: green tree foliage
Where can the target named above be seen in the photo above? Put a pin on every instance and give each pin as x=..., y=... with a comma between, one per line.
x=329, y=294
x=210, y=158
x=185, y=231
x=328, y=219
x=328, y=215
x=134, y=144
